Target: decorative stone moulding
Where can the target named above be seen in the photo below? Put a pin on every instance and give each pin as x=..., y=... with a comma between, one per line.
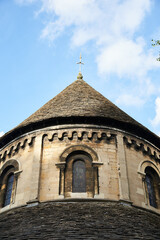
x=147, y=163
x=13, y=162
x=13, y=149
x=84, y=148
x=81, y=135
x=144, y=148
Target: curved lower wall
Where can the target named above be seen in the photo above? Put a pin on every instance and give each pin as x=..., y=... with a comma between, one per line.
x=79, y=220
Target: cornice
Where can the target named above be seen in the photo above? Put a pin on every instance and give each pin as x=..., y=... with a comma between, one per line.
x=91, y=135
x=145, y=148
x=16, y=146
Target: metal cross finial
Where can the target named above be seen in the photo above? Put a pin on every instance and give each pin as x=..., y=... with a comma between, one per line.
x=80, y=63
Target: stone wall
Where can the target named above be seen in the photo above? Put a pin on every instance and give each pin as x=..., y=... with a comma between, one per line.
x=79, y=220
x=140, y=154
x=57, y=142
x=118, y=161
x=22, y=152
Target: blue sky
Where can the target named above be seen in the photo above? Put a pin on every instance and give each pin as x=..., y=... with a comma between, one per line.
x=40, y=43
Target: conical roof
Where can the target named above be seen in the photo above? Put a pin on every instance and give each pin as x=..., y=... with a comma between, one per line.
x=80, y=103
x=79, y=99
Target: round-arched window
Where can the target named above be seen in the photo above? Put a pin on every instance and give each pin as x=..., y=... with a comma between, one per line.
x=9, y=187
x=79, y=176
x=152, y=187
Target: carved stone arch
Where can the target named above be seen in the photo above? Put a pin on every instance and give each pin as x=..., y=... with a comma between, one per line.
x=11, y=162
x=147, y=163
x=79, y=148
x=151, y=183
x=11, y=167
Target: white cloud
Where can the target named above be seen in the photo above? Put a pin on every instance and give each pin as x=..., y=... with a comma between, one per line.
x=135, y=94
x=126, y=58
x=1, y=134
x=111, y=25
x=130, y=100
x=70, y=13
x=156, y=121
x=101, y=20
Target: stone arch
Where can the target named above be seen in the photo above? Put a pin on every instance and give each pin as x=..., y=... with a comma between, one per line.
x=147, y=163
x=11, y=167
x=151, y=181
x=12, y=162
x=79, y=148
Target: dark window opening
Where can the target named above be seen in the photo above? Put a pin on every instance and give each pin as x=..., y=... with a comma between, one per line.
x=152, y=182
x=9, y=187
x=79, y=176
x=151, y=191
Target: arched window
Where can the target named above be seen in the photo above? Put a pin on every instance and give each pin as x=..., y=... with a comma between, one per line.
x=9, y=173
x=152, y=187
x=150, y=190
x=78, y=172
x=9, y=187
x=79, y=176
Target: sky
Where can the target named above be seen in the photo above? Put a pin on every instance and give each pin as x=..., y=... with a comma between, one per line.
x=41, y=41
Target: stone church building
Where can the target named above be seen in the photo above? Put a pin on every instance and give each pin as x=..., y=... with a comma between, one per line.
x=79, y=168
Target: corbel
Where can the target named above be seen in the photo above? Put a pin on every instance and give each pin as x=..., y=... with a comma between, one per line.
x=61, y=165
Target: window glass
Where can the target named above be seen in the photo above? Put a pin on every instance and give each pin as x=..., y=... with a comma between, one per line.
x=150, y=189
x=9, y=190
x=79, y=176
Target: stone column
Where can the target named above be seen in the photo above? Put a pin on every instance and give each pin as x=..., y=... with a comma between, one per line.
x=96, y=177
x=96, y=185
x=36, y=165
x=143, y=175
x=122, y=167
x=61, y=191
x=16, y=175
x=61, y=167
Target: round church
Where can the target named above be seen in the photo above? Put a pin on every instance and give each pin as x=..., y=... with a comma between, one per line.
x=79, y=168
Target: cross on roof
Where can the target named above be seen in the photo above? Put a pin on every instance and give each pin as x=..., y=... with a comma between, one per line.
x=80, y=63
